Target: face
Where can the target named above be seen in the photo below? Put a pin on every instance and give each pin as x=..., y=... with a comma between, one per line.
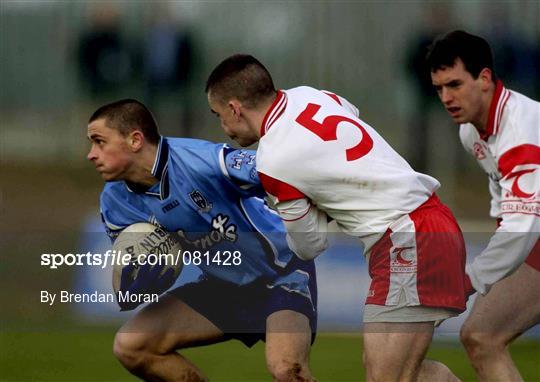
x=110, y=152
x=462, y=96
x=232, y=121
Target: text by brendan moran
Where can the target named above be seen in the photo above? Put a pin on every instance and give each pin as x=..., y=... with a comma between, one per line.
x=65, y=296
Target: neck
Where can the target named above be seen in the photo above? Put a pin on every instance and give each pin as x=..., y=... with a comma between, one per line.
x=482, y=119
x=255, y=117
x=144, y=161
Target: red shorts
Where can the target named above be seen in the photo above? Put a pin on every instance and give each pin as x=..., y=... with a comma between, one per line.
x=534, y=257
x=421, y=255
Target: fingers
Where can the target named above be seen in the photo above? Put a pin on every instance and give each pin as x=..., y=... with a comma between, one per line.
x=149, y=279
x=165, y=281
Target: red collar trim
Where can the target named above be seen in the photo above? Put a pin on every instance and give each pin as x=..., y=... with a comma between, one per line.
x=274, y=112
x=498, y=102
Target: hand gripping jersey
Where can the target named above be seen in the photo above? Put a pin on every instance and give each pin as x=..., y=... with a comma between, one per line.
x=509, y=152
x=313, y=145
x=210, y=194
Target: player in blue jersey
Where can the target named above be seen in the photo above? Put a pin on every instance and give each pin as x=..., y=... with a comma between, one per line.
x=210, y=194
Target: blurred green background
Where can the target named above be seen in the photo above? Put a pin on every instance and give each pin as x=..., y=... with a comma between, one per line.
x=52, y=77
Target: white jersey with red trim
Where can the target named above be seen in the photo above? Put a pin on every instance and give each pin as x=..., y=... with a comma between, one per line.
x=313, y=145
x=509, y=152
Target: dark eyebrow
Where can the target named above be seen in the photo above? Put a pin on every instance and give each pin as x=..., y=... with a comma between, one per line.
x=453, y=83
x=94, y=136
x=450, y=83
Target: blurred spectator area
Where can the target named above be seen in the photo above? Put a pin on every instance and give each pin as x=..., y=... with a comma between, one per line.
x=60, y=60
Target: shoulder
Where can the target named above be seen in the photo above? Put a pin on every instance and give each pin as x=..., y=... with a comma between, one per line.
x=113, y=190
x=523, y=113
x=189, y=144
x=301, y=89
x=522, y=100
x=204, y=161
x=467, y=134
x=519, y=140
x=117, y=196
x=194, y=152
x=302, y=93
x=308, y=91
x=117, y=206
x=326, y=98
x=520, y=123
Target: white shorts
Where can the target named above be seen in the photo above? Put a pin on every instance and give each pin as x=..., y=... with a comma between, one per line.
x=404, y=313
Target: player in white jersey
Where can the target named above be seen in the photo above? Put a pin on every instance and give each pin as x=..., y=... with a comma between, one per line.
x=318, y=161
x=501, y=129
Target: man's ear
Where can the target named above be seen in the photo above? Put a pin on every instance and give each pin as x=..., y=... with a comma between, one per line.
x=136, y=140
x=486, y=76
x=236, y=108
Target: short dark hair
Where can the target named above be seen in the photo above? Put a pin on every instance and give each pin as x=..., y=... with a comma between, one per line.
x=473, y=50
x=243, y=77
x=127, y=115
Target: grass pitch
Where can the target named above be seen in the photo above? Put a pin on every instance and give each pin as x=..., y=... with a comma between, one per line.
x=56, y=356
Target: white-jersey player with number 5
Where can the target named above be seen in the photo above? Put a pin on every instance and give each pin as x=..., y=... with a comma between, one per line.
x=318, y=161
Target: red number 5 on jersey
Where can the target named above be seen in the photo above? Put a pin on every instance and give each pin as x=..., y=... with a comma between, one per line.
x=327, y=130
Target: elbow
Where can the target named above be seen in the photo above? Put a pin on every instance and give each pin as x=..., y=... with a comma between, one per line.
x=307, y=246
x=310, y=252
x=306, y=255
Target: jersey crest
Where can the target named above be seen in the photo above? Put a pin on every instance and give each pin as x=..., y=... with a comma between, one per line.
x=200, y=201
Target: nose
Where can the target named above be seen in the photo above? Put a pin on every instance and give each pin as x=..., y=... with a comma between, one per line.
x=91, y=154
x=446, y=96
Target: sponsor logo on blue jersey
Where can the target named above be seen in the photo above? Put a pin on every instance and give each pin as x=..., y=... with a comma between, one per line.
x=222, y=230
x=169, y=206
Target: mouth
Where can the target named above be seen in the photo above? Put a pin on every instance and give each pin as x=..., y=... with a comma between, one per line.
x=453, y=110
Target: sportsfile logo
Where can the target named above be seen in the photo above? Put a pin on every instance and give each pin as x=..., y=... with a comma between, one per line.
x=111, y=258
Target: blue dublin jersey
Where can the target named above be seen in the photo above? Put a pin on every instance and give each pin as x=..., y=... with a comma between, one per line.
x=211, y=196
